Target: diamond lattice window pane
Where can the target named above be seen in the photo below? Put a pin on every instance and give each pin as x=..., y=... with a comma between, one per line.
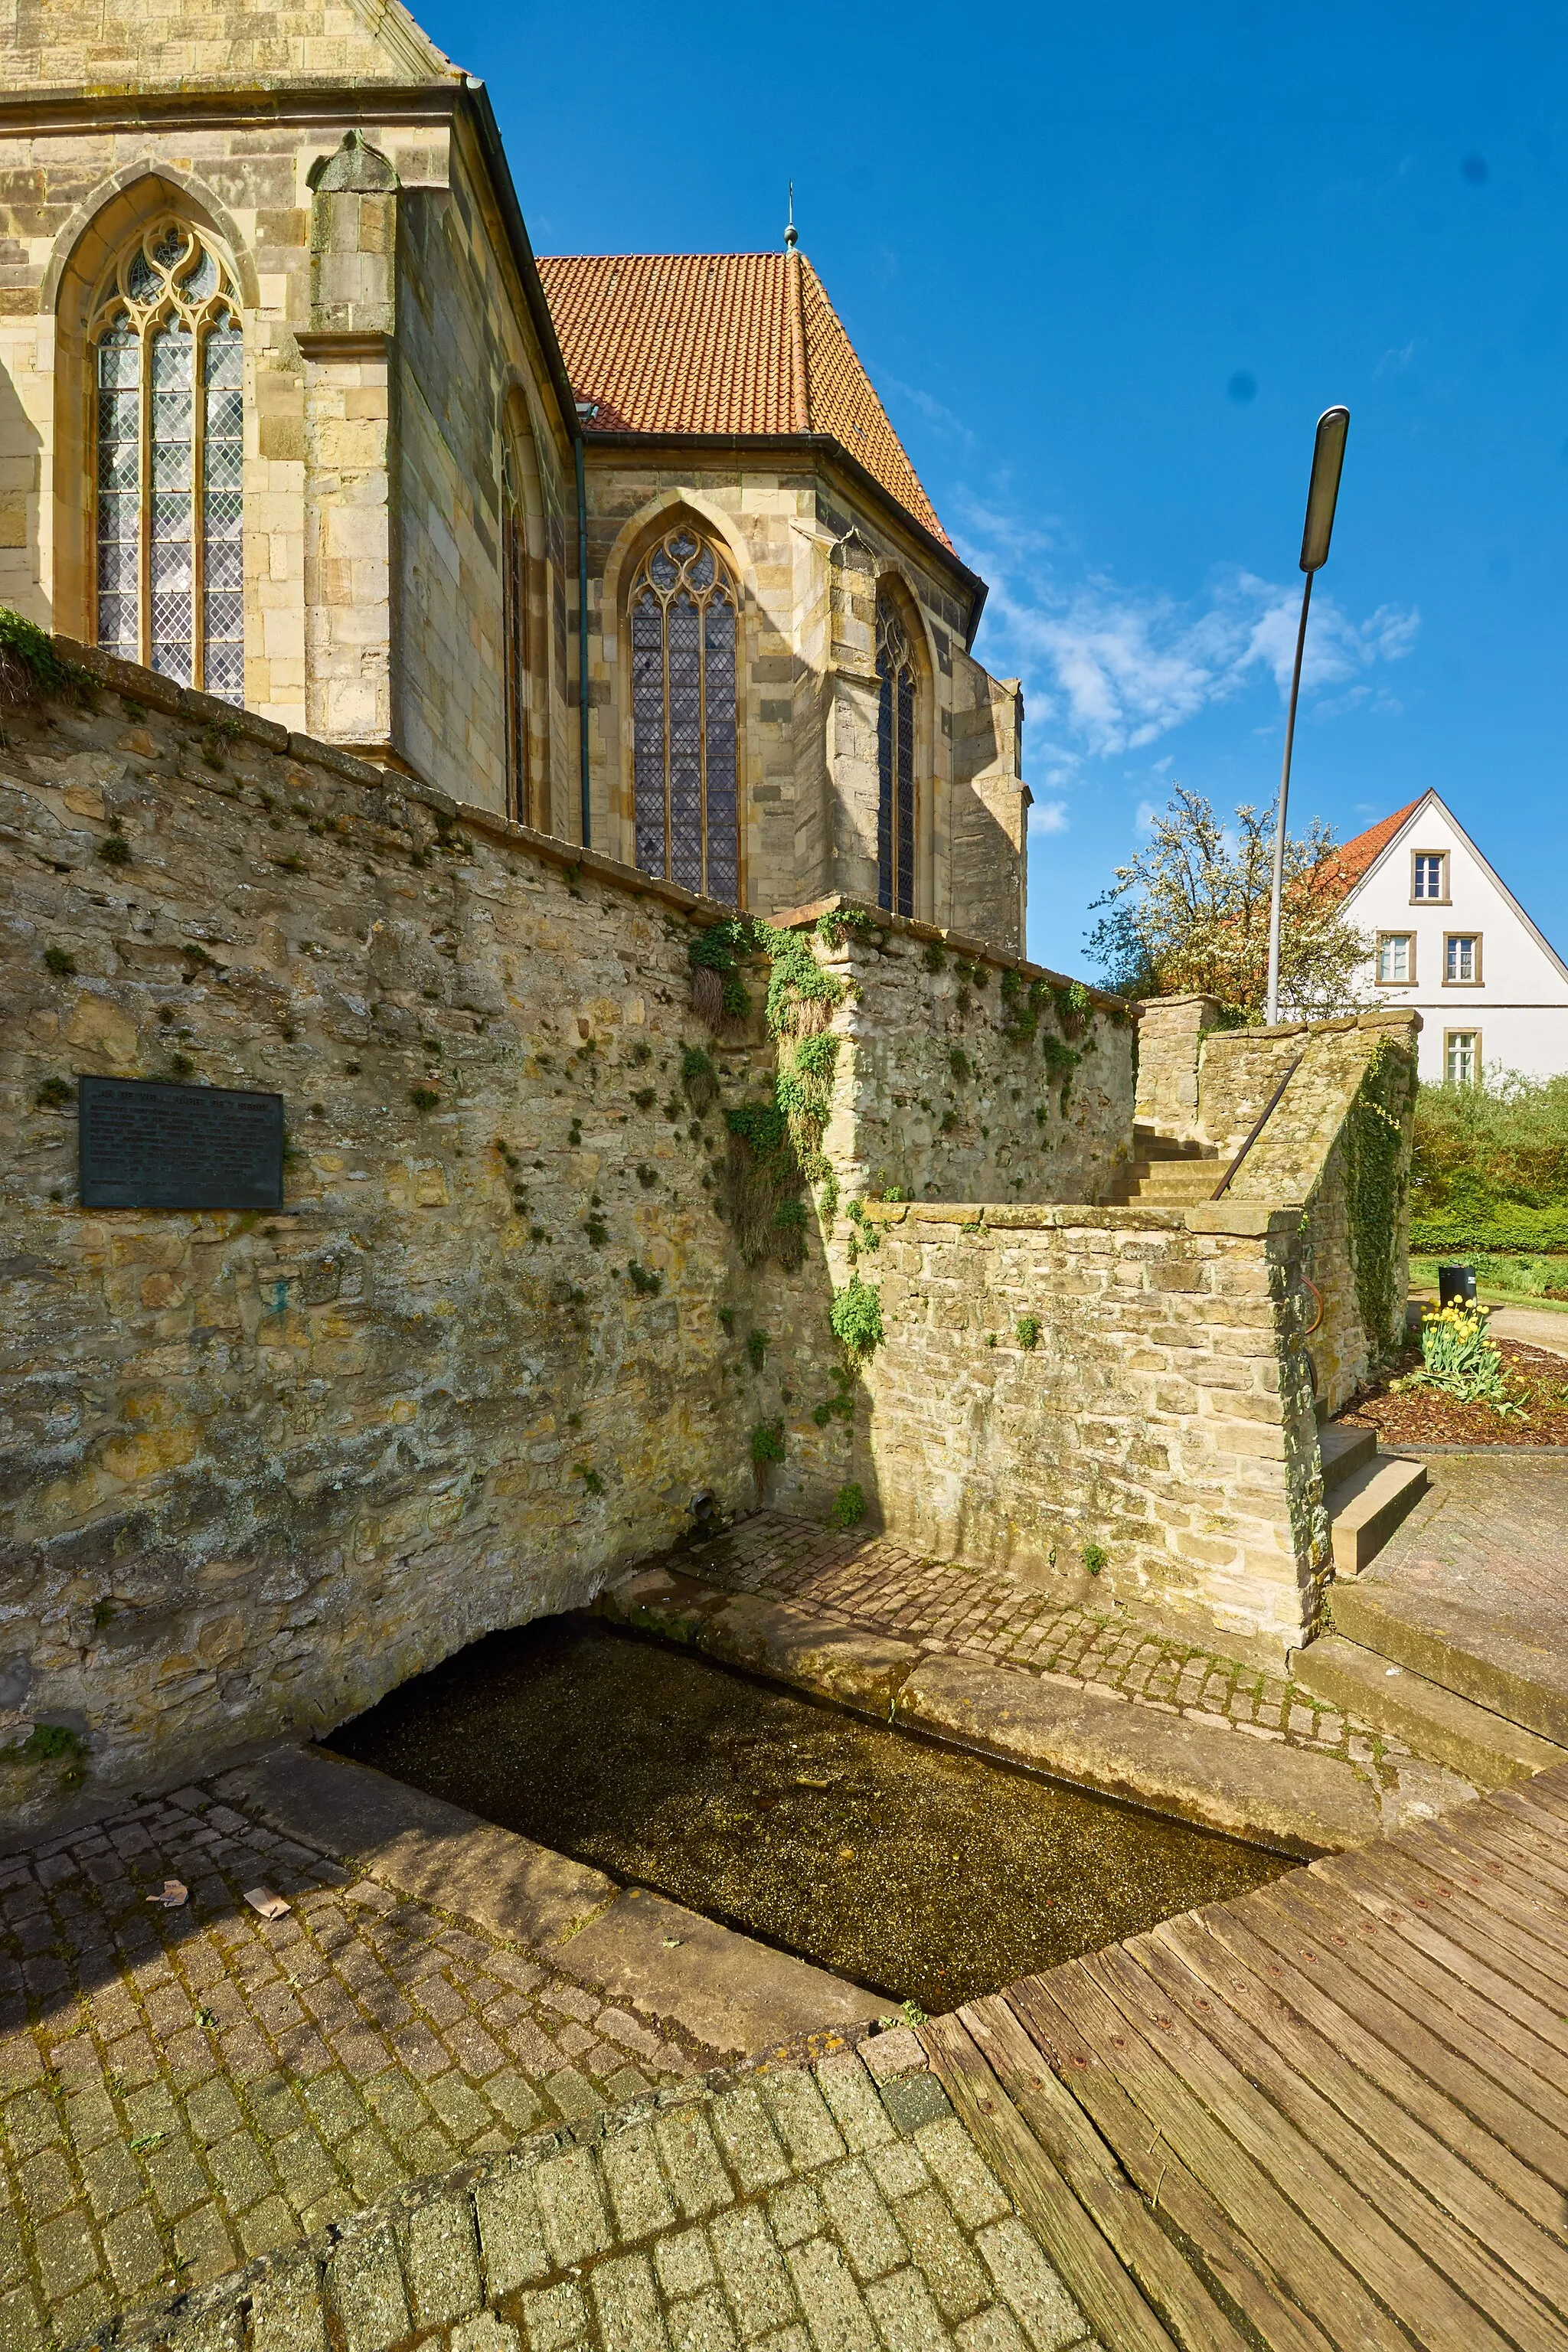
x=173, y=354
x=143, y=280
x=171, y=516
x=225, y=672
x=647, y=732
x=201, y=282
x=119, y=466
x=119, y=359
x=224, y=359
x=117, y=624
x=171, y=465
x=119, y=517
x=173, y=571
x=223, y=564
x=223, y=463
x=119, y=568
x=171, y=658
x=226, y=414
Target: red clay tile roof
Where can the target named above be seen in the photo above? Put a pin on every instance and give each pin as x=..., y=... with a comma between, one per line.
x=670, y=343
x=1352, y=858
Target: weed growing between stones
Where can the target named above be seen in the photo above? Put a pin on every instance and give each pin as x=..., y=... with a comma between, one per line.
x=644, y=1279
x=424, y=1098
x=849, y=1506
x=700, y=1079
x=1094, y=1557
x=856, y=1316
x=756, y=1349
x=54, y=1094
x=591, y=1482
x=840, y=1406
x=60, y=961
x=1028, y=1328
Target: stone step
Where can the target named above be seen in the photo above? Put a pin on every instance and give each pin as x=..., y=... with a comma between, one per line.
x=1344, y=1450
x=1463, y=1648
x=1149, y=1144
x=1167, y=1188
x=1483, y=1748
x=1367, y=1507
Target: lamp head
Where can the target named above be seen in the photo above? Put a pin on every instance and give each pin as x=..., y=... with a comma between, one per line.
x=1323, y=492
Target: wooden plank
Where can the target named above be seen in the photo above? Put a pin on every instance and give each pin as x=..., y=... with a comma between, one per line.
x=1549, y=1792
x=1531, y=1833
x=1530, y=1863
x=1510, y=2032
x=1430, y=1873
x=1490, y=1867
x=1425, y=2299
x=1390, y=1895
x=1402, y=2117
x=1108, y=2298
x=1143, y=2108
x=1161, y=2271
x=1532, y=2165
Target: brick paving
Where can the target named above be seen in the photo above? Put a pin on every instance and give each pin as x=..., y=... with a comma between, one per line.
x=183, y=2089
x=956, y=1611
x=835, y=2206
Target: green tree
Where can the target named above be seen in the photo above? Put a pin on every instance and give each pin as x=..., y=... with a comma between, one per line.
x=1189, y=914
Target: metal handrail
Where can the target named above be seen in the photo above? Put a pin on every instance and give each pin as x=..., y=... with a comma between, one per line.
x=1258, y=1124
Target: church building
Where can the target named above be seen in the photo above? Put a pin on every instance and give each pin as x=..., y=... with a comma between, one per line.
x=623, y=547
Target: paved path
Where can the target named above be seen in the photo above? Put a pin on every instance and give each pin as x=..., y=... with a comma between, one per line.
x=1329, y=2114
x=183, y=2088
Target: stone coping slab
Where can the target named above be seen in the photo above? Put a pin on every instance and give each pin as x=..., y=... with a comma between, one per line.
x=1194, y=1768
x=1248, y=1219
x=732, y=1993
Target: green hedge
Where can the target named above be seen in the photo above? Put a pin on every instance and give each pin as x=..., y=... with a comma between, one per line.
x=1511, y=1227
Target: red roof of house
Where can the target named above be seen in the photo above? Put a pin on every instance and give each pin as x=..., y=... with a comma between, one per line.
x=1353, y=858
x=671, y=343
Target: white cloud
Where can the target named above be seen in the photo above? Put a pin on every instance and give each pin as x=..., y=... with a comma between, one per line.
x=1049, y=816
x=1115, y=668
x=1144, y=820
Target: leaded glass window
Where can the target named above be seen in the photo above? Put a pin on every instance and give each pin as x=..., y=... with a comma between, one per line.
x=514, y=632
x=684, y=615
x=168, y=375
x=895, y=763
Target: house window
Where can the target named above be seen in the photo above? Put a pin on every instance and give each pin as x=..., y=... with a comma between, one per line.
x=1463, y=1050
x=1395, y=957
x=1461, y=957
x=895, y=763
x=169, y=390
x=684, y=611
x=1430, y=875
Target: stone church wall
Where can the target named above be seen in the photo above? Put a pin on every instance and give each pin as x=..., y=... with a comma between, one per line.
x=261, y=1468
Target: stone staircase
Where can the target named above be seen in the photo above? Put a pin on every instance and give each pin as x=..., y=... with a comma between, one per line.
x=1384, y=1666
x=1167, y=1172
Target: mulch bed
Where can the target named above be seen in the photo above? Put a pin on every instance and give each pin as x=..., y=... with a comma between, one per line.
x=1538, y=1379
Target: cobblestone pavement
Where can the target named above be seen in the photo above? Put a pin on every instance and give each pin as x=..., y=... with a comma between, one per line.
x=957, y=1612
x=833, y=2207
x=183, y=2089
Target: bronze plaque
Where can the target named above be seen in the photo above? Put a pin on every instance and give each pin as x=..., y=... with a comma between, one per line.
x=146, y=1146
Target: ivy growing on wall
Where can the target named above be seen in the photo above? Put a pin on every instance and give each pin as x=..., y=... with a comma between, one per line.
x=1377, y=1181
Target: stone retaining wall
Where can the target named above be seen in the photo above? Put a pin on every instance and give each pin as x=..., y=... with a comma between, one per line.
x=1121, y=1391
x=261, y=1469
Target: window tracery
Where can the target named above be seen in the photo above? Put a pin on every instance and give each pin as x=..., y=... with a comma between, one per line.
x=684, y=613
x=168, y=378
x=895, y=762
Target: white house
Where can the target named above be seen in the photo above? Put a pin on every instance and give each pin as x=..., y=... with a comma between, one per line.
x=1450, y=939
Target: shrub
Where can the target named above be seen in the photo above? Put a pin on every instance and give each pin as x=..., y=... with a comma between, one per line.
x=857, y=1317
x=849, y=1506
x=1482, y=1153
x=29, y=665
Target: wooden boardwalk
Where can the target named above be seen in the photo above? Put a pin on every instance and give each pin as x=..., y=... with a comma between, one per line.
x=1330, y=2114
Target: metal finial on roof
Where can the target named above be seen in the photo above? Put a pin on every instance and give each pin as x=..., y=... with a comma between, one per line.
x=792, y=235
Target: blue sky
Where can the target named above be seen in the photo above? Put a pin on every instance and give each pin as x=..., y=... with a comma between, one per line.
x=1105, y=266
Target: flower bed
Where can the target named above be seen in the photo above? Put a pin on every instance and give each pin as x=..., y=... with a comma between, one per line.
x=1535, y=1379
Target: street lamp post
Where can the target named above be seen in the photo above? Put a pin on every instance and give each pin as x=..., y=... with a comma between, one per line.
x=1322, y=491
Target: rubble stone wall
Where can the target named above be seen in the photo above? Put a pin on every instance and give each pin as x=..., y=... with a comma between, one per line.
x=1115, y=1394
x=259, y=1469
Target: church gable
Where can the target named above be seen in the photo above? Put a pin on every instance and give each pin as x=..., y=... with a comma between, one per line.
x=68, y=45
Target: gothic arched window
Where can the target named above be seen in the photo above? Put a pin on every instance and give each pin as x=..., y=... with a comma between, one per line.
x=895, y=763
x=684, y=615
x=514, y=630
x=168, y=377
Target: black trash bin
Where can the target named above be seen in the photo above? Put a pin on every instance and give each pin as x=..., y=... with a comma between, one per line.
x=1455, y=1285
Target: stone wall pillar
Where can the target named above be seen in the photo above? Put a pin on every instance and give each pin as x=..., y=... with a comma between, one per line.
x=1171, y=1031
x=348, y=449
